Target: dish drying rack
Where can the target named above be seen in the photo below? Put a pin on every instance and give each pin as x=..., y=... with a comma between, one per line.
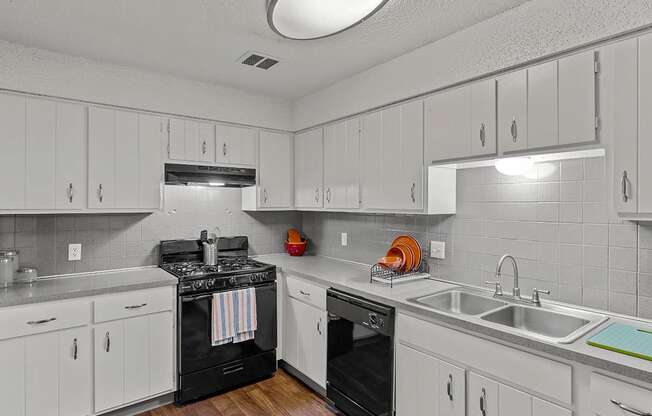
x=388, y=276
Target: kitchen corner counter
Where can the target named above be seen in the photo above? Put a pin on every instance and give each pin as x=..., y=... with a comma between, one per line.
x=354, y=278
x=82, y=285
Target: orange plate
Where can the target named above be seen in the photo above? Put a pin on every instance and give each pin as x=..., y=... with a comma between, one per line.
x=414, y=246
x=409, y=256
x=397, y=252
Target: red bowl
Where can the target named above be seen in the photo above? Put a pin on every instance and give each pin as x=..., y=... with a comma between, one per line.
x=296, y=249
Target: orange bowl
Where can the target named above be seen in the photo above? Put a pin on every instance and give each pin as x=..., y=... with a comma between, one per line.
x=296, y=249
x=408, y=256
x=390, y=262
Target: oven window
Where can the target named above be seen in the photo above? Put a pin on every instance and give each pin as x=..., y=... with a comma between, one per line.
x=360, y=364
x=195, y=349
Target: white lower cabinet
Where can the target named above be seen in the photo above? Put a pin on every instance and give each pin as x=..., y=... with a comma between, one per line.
x=12, y=377
x=417, y=377
x=133, y=359
x=611, y=397
x=452, y=390
x=482, y=396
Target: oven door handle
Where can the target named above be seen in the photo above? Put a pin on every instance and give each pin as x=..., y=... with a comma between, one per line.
x=195, y=298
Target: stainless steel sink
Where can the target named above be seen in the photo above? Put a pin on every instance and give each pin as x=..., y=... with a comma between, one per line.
x=552, y=323
x=459, y=302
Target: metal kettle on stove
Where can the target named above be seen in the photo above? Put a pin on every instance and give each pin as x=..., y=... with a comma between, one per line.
x=210, y=249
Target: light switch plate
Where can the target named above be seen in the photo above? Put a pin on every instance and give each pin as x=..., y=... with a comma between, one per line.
x=438, y=249
x=345, y=239
x=74, y=252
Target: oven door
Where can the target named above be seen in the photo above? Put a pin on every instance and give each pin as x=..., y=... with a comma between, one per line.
x=360, y=356
x=196, y=351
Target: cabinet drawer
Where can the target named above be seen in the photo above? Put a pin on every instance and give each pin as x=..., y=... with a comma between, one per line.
x=307, y=292
x=34, y=319
x=132, y=304
x=605, y=389
x=544, y=376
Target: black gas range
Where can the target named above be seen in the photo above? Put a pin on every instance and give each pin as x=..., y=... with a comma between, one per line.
x=204, y=369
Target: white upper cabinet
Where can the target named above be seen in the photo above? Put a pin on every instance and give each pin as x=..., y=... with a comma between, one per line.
x=275, y=170
x=483, y=118
x=448, y=125
x=124, y=160
x=308, y=169
x=235, y=145
x=40, y=148
x=644, y=128
x=185, y=142
x=512, y=111
x=391, y=146
x=71, y=157
x=206, y=142
x=341, y=165
x=577, y=105
x=12, y=156
x=542, y=105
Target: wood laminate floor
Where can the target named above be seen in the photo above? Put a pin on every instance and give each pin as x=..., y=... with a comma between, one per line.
x=280, y=395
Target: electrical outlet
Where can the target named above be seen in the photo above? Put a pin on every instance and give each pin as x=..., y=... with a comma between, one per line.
x=74, y=252
x=438, y=249
x=345, y=239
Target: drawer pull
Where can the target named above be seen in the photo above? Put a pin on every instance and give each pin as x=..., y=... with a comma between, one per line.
x=41, y=321
x=233, y=369
x=107, y=345
x=630, y=409
x=131, y=307
x=483, y=402
x=449, y=387
x=304, y=293
x=75, y=349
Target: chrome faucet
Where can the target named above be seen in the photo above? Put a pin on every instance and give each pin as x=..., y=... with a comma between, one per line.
x=516, y=291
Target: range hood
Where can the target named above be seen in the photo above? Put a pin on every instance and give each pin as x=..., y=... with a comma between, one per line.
x=215, y=176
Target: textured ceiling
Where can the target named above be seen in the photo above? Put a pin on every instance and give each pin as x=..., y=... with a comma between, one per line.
x=202, y=39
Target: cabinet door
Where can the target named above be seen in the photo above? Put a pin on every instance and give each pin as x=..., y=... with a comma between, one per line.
x=248, y=139
x=176, y=139
x=448, y=125
x=42, y=375
x=40, y=148
x=513, y=402
x=644, y=127
x=577, y=98
x=315, y=330
x=341, y=164
x=409, y=192
x=12, y=376
x=136, y=358
x=75, y=355
x=543, y=408
x=206, y=142
x=452, y=390
x=483, y=117
x=109, y=365
x=308, y=169
x=482, y=396
x=161, y=352
x=275, y=170
x=223, y=139
x=512, y=111
x=371, y=189
x=150, y=133
x=101, y=158
x=191, y=136
x=291, y=336
x=12, y=156
x=542, y=106
x=126, y=160
x=417, y=377
x=70, y=156
x=619, y=117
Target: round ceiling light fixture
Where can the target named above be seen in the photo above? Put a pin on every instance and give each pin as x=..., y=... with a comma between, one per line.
x=314, y=19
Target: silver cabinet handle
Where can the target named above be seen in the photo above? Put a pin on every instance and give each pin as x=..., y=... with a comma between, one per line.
x=630, y=409
x=412, y=192
x=75, y=349
x=224, y=149
x=70, y=194
x=264, y=195
x=483, y=402
x=319, y=326
x=514, y=130
x=130, y=307
x=41, y=321
x=623, y=184
x=107, y=346
x=483, y=134
x=203, y=148
x=304, y=293
x=328, y=195
x=449, y=387
x=100, y=193
x=317, y=195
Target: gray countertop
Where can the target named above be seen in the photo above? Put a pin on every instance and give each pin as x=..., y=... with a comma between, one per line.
x=81, y=285
x=354, y=278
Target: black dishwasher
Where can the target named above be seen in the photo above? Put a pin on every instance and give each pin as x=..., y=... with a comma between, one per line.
x=360, y=355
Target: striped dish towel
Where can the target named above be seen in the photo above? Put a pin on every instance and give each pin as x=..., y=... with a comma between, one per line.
x=245, y=314
x=234, y=316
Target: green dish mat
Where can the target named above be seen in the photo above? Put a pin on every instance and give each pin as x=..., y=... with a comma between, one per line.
x=624, y=339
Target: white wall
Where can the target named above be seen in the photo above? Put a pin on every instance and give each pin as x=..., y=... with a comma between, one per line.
x=532, y=30
x=44, y=72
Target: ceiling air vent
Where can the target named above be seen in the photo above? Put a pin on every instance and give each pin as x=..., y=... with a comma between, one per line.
x=258, y=60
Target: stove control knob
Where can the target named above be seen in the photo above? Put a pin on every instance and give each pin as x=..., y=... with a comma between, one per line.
x=233, y=280
x=253, y=278
x=210, y=283
x=197, y=284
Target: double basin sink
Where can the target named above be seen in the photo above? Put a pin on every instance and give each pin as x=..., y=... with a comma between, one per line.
x=548, y=322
